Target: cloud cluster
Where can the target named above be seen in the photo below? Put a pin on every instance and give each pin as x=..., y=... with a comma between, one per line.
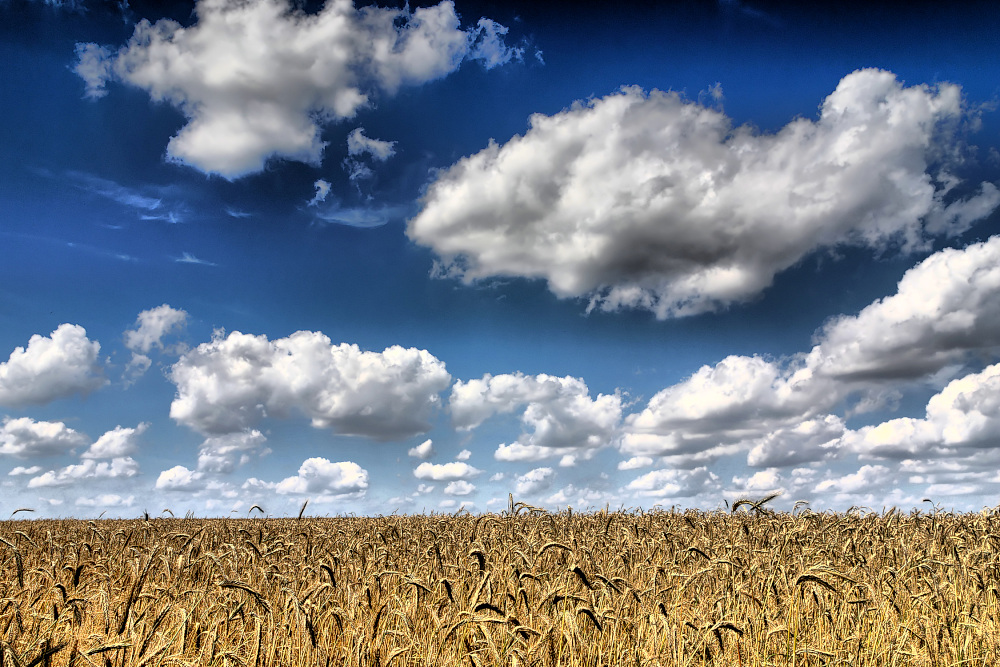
x=57, y=366
x=231, y=383
x=943, y=314
x=646, y=200
x=257, y=79
x=25, y=438
x=559, y=416
x=325, y=478
x=225, y=453
x=151, y=327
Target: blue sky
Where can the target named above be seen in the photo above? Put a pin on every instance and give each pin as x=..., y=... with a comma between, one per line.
x=416, y=258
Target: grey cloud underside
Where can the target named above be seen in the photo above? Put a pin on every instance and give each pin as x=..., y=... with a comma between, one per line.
x=645, y=200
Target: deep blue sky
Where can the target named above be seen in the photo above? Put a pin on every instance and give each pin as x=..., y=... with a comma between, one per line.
x=644, y=254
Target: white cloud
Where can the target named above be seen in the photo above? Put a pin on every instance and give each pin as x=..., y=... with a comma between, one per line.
x=106, y=500
x=650, y=201
x=459, y=488
x=672, y=483
x=424, y=488
x=635, y=462
x=256, y=79
x=944, y=308
x=534, y=481
x=560, y=417
x=180, y=478
x=229, y=384
x=25, y=438
x=358, y=144
x=445, y=472
x=965, y=415
x=60, y=365
x=87, y=470
x=423, y=451
x=735, y=401
x=322, y=190
x=21, y=470
x=224, y=453
x=490, y=48
x=810, y=440
x=463, y=455
x=865, y=479
x=152, y=326
x=117, y=443
x=321, y=476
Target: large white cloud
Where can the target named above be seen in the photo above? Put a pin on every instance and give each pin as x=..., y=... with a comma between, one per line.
x=321, y=476
x=560, y=417
x=944, y=307
x=647, y=200
x=256, y=79
x=229, y=384
x=60, y=365
x=180, y=478
x=26, y=438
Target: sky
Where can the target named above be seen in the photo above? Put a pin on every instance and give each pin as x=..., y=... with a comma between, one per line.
x=415, y=258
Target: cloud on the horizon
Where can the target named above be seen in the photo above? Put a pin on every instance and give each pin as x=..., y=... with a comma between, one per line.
x=646, y=200
x=559, y=416
x=59, y=365
x=231, y=383
x=258, y=79
x=87, y=470
x=326, y=478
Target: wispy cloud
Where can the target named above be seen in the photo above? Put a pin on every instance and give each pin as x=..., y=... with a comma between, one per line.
x=188, y=258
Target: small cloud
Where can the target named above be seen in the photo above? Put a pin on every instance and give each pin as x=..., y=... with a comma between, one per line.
x=21, y=470
x=459, y=488
x=423, y=451
x=188, y=258
x=236, y=213
x=489, y=47
x=635, y=462
x=445, y=472
x=322, y=190
x=358, y=144
x=534, y=481
x=463, y=455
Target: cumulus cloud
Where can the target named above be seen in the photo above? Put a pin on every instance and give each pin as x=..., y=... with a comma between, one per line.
x=459, y=488
x=965, y=415
x=446, y=472
x=21, y=470
x=463, y=455
x=257, y=79
x=738, y=399
x=810, y=440
x=152, y=326
x=26, y=438
x=423, y=451
x=672, y=483
x=57, y=366
x=560, y=417
x=944, y=308
x=867, y=478
x=224, y=453
x=229, y=384
x=180, y=478
x=85, y=471
x=321, y=476
x=645, y=200
x=106, y=500
x=534, y=481
x=116, y=443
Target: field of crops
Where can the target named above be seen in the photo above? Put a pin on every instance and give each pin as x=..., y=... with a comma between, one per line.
x=523, y=587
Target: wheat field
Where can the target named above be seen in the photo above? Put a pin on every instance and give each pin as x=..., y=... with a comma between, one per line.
x=744, y=587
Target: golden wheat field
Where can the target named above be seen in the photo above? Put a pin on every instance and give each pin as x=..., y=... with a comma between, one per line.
x=749, y=587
